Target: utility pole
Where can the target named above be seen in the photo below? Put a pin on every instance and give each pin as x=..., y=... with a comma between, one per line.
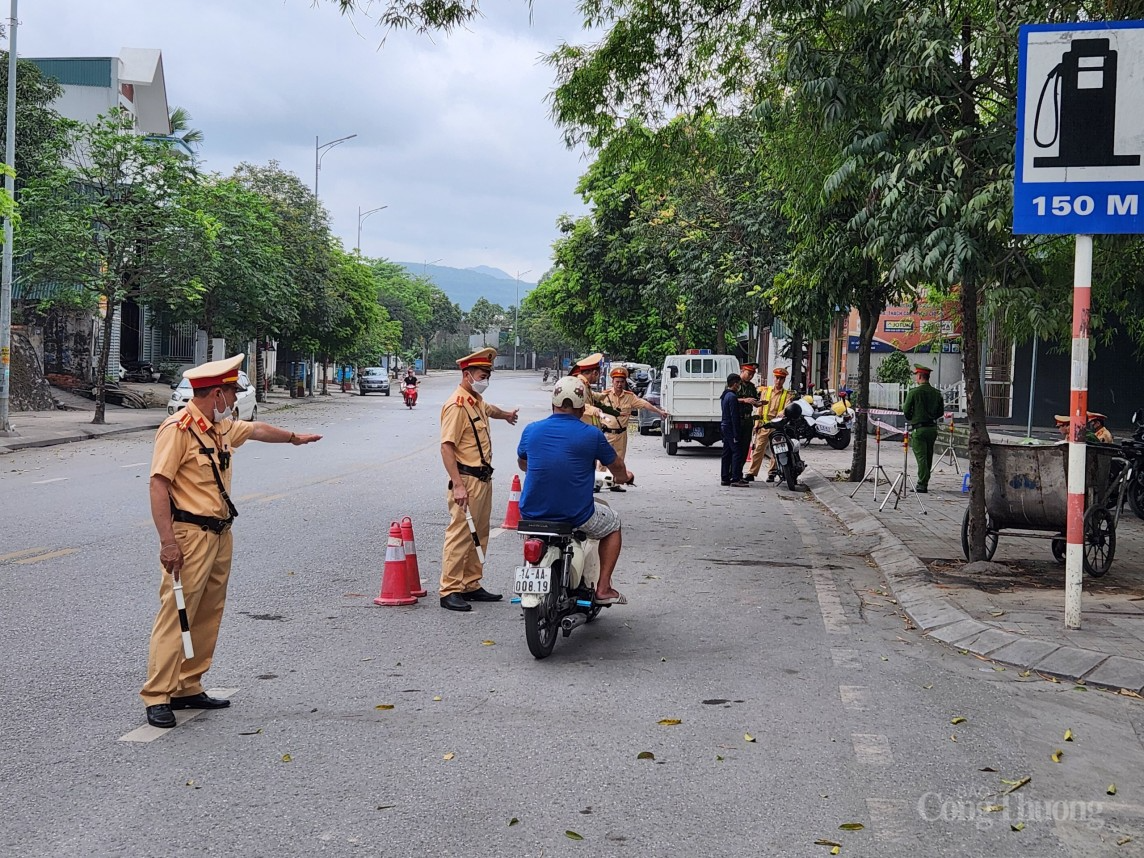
x=361, y=216
x=6, y=428
x=516, y=317
x=320, y=150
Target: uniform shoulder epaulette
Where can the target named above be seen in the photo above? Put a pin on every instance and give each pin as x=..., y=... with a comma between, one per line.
x=184, y=421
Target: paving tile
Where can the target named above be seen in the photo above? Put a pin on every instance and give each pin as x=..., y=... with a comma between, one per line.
x=1119, y=672
x=985, y=642
x=1024, y=652
x=957, y=631
x=1069, y=662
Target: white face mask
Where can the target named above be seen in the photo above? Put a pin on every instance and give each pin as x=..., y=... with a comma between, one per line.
x=479, y=387
x=226, y=414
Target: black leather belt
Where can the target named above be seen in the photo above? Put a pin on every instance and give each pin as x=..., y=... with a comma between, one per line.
x=484, y=473
x=217, y=525
x=924, y=425
x=613, y=431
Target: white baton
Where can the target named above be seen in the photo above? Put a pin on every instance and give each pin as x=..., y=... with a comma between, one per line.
x=473, y=531
x=188, y=647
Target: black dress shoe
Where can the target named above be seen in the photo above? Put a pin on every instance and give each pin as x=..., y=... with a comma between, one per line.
x=202, y=700
x=748, y=479
x=160, y=715
x=481, y=595
x=454, y=602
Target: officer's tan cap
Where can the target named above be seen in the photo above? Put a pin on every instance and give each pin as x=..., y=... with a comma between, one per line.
x=215, y=374
x=588, y=364
x=480, y=359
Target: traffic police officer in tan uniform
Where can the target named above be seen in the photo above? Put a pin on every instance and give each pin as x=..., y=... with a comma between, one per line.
x=467, y=453
x=624, y=403
x=773, y=400
x=589, y=369
x=193, y=513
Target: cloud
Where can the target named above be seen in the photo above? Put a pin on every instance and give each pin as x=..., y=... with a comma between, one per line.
x=453, y=133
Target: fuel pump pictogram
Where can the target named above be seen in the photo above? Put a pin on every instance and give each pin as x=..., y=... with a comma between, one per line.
x=1084, y=108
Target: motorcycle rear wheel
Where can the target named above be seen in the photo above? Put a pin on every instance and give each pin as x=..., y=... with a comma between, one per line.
x=542, y=623
x=840, y=441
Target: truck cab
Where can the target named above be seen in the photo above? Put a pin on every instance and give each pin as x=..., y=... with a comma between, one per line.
x=692, y=385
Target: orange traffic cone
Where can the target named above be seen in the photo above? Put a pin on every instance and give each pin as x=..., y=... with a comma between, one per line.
x=412, y=573
x=394, y=583
x=512, y=514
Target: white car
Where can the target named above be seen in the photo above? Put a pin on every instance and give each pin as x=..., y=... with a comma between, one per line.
x=245, y=407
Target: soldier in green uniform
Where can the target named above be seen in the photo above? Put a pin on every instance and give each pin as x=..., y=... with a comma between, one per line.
x=748, y=399
x=924, y=406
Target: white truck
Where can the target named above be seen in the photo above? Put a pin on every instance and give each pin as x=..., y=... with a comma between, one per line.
x=692, y=385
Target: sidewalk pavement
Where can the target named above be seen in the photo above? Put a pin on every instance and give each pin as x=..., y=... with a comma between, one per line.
x=73, y=423
x=1010, y=611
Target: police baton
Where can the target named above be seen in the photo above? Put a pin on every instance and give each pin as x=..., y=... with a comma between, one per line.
x=188, y=647
x=473, y=531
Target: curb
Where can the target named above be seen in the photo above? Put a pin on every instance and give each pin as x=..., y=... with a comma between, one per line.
x=937, y=617
x=71, y=439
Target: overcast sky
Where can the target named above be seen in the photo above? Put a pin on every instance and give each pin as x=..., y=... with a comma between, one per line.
x=452, y=132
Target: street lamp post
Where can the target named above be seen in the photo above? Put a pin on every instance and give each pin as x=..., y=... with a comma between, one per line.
x=516, y=317
x=361, y=216
x=320, y=150
x=6, y=428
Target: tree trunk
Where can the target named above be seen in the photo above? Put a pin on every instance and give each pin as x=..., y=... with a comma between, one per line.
x=796, y=350
x=867, y=327
x=720, y=338
x=102, y=363
x=975, y=402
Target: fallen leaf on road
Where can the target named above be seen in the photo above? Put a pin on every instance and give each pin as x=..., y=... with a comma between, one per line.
x=748, y=737
x=286, y=758
x=987, y=769
x=1123, y=840
x=993, y=808
x=1015, y=785
x=438, y=697
x=1111, y=789
x=927, y=687
x=488, y=643
x=996, y=613
x=826, y=843
x=572, y=835
x=1068, y=735
x=386, y=806
x=513, y=821
x=252, y=732
x=449, y=756
x=718, y=758
x=1056, y=755
x=645, y=755
x=851, y=826
x=958, y=720
x=1025, y=673
x=669, y=722
x=383, y=706
x=1018, y=826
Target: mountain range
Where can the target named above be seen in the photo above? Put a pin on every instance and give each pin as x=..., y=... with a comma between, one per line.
x=465, y=285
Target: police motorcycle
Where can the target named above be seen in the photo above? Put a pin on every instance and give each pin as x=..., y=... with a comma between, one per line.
x=557, y=583
x=833, y=425
x=784, y=443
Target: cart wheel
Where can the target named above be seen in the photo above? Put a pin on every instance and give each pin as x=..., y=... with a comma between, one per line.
x=1099, y=541
x=1060, y=545
x=990, y=536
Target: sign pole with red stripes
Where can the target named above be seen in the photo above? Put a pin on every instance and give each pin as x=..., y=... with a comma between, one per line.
x=1078, y=425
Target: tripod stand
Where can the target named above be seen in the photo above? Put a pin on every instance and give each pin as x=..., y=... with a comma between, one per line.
x=876, y=470
x=902, y=484
x=949, y=454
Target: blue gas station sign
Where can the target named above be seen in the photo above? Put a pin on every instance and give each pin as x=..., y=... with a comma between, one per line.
x=1080, y=129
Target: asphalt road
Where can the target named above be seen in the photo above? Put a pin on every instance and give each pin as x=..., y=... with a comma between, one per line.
x=751, y=614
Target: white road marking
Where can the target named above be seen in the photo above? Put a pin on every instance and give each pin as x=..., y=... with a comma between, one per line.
x=52, y=480
x=829, y=603
x=890, y=819
x=495, y=532
x=135, y=465
x=147, y=733
x=854, y=697
x=872, y=749
x=845, y=659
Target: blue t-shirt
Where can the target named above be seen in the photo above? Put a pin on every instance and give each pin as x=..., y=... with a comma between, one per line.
x=561, y=452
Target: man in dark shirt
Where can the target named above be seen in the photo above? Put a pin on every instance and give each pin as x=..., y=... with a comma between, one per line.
x=559, y=456
x=731, y=466
x=924, y=406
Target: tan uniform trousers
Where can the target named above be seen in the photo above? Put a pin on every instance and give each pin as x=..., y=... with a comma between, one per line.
x=206, y=572
x=461, y=569
x=619, y=442
x=762, y=448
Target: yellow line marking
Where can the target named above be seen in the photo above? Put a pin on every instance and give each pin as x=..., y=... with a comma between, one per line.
x=51, y=555
x=250, y=497
x=24, y=553
x=266, y=498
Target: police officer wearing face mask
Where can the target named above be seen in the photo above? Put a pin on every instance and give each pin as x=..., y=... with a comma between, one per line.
x=467, y=453
x=193, y=513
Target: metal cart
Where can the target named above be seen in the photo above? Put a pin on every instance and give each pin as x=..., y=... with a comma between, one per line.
x=1026, y=495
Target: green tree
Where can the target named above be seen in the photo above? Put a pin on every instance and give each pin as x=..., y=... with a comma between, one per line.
x=110, y=222
x=484, y=315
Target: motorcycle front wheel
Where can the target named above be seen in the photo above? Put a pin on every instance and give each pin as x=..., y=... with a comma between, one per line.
x=542, y=623
x=789, y=474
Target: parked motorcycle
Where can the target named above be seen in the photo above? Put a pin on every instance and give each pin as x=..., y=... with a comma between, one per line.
x=409, y=394
x=138, y=371
x=557, y=582
x=785, y=446
x=1134, y=452
x=640, y=382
